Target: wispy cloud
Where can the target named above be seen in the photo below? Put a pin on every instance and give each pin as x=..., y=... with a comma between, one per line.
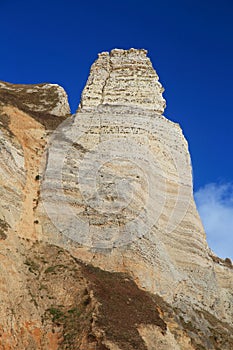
x=215, y=206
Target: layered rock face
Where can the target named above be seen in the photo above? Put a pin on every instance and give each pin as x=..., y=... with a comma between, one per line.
x=124, y=78
x=98, y=221
x=28, y=112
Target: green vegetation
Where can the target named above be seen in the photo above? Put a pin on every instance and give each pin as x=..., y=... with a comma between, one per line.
x=57, y=314
x=53, y=269
x=33, y=266
x=3, y=229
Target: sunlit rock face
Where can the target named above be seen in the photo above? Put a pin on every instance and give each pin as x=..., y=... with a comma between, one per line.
x=126, y=78
x=125, y=194
x=28, y=113
x=110, y=186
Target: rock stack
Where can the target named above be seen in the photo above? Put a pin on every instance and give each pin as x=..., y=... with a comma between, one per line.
x=98, y=199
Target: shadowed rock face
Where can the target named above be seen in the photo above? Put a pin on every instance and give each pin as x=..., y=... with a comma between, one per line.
x=101, y=245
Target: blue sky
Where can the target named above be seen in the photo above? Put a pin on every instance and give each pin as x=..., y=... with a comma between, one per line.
x=190, y=44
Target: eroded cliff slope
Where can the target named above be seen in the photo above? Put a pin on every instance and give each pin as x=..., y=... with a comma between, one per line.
x=101, y=243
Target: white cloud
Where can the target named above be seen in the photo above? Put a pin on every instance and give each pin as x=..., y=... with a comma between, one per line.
x=215, y=206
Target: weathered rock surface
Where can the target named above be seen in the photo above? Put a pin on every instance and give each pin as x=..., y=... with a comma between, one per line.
x=124, y=78
x=28, y=114
x=112, y=188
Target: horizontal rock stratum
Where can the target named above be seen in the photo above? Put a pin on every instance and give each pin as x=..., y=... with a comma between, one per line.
x=101, y=243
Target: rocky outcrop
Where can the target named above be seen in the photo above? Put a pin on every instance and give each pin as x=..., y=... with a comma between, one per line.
x=98, y=221
x=28, y=114
x=126, y=190
x=126, y=78
x=43, y=101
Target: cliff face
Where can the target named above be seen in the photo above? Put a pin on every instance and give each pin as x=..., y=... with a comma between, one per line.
x=101, y=243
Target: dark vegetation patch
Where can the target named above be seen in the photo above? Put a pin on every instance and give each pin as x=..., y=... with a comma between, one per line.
x=4, y=122
x=55, y=269
x=123, y=307
x=3, y=229
x=33, y=266
x=68, y=293
x=57, y=287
